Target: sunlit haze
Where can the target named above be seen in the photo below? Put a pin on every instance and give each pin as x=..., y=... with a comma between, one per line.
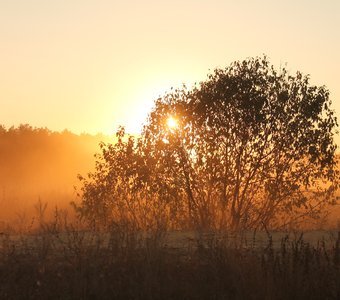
x=90, y=66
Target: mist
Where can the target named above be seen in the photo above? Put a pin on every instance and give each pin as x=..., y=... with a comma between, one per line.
x=37, y=164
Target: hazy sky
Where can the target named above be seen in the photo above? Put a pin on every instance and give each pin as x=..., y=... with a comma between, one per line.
x=90, y=65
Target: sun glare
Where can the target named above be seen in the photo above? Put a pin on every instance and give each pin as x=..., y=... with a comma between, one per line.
x=172, y=123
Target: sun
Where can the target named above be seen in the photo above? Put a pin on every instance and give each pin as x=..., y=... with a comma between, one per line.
x=172, y=122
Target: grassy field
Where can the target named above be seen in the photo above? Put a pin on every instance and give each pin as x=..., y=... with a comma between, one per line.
x=120, y=264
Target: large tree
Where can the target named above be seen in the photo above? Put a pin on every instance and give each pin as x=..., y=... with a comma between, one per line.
x=252, y=143
x=246, y=148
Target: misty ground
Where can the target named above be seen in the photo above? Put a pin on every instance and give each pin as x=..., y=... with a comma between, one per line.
x=40, y=165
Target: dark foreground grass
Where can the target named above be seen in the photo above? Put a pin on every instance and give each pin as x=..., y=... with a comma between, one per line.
x=125, y=265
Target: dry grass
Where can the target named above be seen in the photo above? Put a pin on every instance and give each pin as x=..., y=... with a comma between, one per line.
x=59, y=260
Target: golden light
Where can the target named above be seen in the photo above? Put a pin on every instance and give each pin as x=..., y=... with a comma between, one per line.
x=172, y=123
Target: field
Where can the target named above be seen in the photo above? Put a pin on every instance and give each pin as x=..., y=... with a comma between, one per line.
x=73, y=263
x=48, y=253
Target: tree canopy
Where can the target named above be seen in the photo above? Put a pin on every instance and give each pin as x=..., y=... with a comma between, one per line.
x=252, y=146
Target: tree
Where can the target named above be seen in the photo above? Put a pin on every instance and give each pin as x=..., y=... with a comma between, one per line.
x=252, y=146
x=123, y=190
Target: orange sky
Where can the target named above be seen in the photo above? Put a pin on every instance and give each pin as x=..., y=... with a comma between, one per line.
x=90, y=65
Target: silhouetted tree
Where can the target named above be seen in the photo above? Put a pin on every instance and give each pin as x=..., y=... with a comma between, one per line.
x=253, y=145
x=124, y=190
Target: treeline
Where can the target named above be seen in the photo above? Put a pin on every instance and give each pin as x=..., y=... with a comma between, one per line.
x=37, y=163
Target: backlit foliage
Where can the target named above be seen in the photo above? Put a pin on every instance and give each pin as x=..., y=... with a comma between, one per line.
x=252, y=147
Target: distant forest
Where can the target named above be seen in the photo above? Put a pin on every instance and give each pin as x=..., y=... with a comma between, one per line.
x=37, y=163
